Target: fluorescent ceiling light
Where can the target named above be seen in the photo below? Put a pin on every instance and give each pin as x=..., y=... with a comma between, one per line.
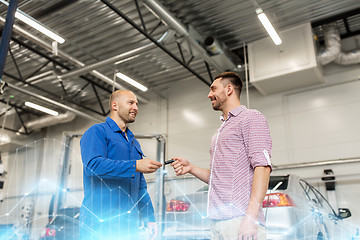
x=41, y=108
x=4, y=139
x=132, y=82
x=267, y=25
x=35, y=24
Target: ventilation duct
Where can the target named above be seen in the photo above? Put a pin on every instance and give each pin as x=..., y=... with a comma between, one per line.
x=212, y=45
x=191, y=37
x=333, y=50
x=352, y=57
x=48, y=121
x=332, y=44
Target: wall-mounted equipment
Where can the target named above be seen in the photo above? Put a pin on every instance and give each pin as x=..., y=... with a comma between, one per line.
x=288, y=66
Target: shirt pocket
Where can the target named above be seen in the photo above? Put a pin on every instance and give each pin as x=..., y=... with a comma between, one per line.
x=138, y=148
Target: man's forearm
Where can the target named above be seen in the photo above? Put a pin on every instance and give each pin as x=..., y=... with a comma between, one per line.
x=201, y=173
x=258, y=191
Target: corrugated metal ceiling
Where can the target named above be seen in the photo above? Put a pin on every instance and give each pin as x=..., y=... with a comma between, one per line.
x=94, y=32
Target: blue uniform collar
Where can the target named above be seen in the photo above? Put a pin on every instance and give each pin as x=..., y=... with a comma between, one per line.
x=112, y=124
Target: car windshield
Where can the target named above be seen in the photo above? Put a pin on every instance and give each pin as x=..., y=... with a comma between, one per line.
x=204, y=189
x=66, y=215
x=61, y=220
x=278, y=182
x=315, y=196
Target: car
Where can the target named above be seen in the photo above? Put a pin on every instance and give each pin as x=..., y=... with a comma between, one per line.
x=65, y=225
x=293, y=209
x=62, y=225
x=185, y=216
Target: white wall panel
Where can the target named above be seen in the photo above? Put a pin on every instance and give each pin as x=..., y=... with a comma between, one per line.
x=194, y=117
x=316, y=124
x=328, y=127
x=324, y=97
x=270, y=105
x=327, y=152
x=151, y=117
x=192, y=122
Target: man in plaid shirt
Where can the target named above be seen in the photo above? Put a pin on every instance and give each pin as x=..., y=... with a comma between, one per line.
x=240, y=164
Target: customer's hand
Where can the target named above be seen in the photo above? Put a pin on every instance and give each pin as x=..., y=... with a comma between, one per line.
x=181, y=166
x=147, y=165
x=248, y=229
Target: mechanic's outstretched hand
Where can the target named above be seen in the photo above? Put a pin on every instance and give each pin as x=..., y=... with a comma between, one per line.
x=147, y=165
x=181, y=166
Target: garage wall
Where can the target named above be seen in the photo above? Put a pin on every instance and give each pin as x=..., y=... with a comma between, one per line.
x=314, y=124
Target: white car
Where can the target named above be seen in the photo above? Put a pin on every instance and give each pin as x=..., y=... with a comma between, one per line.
x=293, y=210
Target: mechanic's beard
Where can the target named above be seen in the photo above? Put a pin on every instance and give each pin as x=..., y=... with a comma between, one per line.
x=131, y=120
x=126, y=118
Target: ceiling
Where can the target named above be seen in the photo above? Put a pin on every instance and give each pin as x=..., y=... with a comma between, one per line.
x=94, y=32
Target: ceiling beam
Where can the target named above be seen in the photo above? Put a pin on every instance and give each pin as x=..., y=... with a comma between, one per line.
x=132, y=23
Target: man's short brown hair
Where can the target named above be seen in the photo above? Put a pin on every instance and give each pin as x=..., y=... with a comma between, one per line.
x=231, y=78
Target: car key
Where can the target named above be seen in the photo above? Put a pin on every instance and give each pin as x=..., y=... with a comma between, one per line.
x=169, y=161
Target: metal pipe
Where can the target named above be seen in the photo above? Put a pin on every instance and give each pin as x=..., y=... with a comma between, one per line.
x=64, y=167
x=176, y=25
x=148, y=136
x=168, y=19
x=121, y=56
x=338, y=178
x=6, y=35
x=159, y=203
x=317, y=164
x=160, y=196
x=40, y=76
x=77, y=112
x=48, y=121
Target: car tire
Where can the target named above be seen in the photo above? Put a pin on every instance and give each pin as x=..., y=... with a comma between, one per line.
x=320, y=236
x=323, y=234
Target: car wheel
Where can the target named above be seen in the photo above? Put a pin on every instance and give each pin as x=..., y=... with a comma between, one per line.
x=323, y=235
x=320, y=236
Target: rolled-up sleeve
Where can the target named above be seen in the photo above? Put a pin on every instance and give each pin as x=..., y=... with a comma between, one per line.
x=258, y=140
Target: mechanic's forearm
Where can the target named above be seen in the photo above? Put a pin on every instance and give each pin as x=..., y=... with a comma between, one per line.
x=258, y=191
x=201, y=173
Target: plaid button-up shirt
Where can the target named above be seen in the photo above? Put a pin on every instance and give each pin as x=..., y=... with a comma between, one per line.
x=242, y=143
